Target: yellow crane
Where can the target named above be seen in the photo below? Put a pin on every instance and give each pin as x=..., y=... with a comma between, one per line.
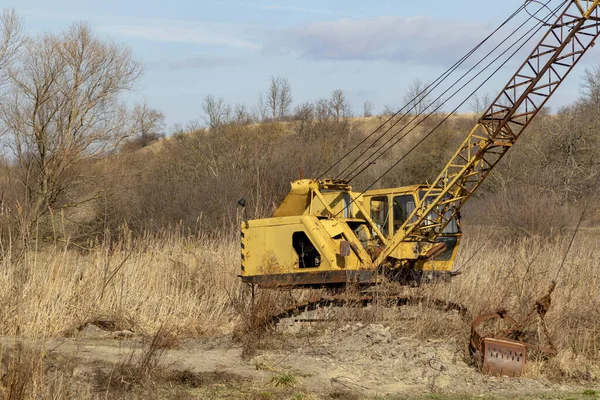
x=326, y=234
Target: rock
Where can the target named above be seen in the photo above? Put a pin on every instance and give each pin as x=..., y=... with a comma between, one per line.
x=91, y=331
x=126, y=334
x=357, y=327
x=378, y=334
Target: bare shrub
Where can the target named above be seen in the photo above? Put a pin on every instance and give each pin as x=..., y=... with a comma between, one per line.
x=255, y=318
x=518, y=212
x=63, y=111
x=138, y=368
x=193, y=182
x=148, y=127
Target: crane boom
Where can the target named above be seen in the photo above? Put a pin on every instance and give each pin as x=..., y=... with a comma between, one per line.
x=569, y=37
x=325, y=234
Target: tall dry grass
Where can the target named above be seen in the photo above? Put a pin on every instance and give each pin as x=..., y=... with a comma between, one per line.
x=183, y=283
x=190, y=284
x=512, y=275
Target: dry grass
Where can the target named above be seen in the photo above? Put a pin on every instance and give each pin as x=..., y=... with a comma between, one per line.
x=30, y=373
x=513, y=275
x=178, y=282
x=191, y=286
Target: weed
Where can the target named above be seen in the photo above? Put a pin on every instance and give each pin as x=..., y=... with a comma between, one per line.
x=254, y=325
x=135, y=368
x=191, y=286
x=263, y=366
x=22, y=367
x=284, y=380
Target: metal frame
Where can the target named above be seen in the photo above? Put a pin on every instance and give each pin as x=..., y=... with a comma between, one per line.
x=571, y=35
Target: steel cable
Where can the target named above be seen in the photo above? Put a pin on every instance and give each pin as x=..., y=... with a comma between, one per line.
x=370, y=160
x=539, y=26
x=423, y=93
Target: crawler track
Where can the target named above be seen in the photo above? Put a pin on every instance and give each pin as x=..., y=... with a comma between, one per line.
x=344, y=300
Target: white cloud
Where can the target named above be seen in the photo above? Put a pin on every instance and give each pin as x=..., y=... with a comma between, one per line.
x=277, y=6
x=418, y=40
x=177, y=31
x=203, y=61
x=290, y=8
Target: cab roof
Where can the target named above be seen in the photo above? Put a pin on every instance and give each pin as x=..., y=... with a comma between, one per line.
x=398, y=190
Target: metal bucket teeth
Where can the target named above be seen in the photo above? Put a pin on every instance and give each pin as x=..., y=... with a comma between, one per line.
x=503, y=357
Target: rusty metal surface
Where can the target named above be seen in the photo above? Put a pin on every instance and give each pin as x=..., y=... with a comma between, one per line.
x=503, y=357
x=499, y=355
x=364, y=300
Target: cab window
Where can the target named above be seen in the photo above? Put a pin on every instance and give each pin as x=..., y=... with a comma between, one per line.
x=379, y=213
x=403, y=208
x=452, y=227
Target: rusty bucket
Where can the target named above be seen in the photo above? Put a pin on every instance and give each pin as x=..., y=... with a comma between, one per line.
x=498, y=355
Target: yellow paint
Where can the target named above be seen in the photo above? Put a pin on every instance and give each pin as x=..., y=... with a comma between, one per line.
x=268, y=246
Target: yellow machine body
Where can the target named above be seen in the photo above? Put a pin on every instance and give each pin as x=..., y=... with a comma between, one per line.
x=324, y=234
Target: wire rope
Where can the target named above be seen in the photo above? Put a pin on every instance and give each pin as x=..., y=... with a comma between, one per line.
x=539, y=26
x=431, y=86
x=353, y=174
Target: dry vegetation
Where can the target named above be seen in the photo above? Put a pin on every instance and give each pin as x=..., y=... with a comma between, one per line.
x=184, y=283
x=143, y=235
x=189, y=284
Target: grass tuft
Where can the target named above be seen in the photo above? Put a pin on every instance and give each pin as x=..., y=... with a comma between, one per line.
x=284, y=380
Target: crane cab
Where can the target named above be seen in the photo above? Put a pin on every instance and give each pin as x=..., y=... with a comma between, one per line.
x=390, y=208
x=326, y=234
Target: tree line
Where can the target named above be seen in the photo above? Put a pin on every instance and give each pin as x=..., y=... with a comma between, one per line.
x=79, y=164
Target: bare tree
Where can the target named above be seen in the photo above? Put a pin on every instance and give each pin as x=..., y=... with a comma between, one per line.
x=216, y=111
x=417, y=98
x=260, y=111
x=304, y=111
x=241, y=115
x=590, y=86
x=368, y=109
x=389, y=110
x=279, y=97
x=148, y=126
x=10, y=41
x=339, y=105
x=480, y=103
x=322, y=109
x=64, y=110
x=192, y=126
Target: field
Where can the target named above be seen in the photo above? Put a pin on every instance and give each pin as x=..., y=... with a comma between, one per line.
x=119, y=236
x=168, y=317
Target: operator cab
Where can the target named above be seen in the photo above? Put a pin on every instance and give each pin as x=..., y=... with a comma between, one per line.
x=390, y=209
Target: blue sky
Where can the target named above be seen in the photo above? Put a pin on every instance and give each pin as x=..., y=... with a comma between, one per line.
x=230, y=48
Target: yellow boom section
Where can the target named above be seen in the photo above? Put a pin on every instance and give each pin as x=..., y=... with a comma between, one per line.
x=570, y=36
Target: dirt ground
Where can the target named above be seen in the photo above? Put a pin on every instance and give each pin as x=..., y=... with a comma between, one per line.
x=353, y=361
